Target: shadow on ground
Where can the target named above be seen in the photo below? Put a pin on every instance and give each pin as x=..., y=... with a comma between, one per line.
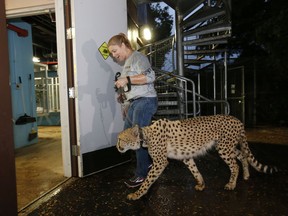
x=174, y=194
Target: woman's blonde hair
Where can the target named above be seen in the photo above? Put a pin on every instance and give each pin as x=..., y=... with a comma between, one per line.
x=119, y=39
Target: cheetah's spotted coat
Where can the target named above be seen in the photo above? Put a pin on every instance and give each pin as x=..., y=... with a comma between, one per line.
x=186, y=139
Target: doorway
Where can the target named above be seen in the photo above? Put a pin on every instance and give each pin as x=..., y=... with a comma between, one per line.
x=39, y=166
x=236, y=92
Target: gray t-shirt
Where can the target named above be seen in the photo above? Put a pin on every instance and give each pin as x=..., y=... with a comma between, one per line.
x=137, y=63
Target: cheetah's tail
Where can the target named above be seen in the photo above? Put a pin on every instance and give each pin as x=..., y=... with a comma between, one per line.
x=268, y=169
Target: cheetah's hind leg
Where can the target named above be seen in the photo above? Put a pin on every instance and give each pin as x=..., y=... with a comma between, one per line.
x=245, y=165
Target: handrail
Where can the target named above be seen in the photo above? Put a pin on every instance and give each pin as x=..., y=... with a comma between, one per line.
x=189, y=100
x=153, y=50
x=172, y=37
x=163, y=79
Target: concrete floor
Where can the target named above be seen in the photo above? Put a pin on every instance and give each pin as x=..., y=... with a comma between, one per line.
x=39, y=166
x=174, y=194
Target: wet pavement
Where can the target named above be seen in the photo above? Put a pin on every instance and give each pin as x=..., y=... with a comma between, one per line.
x=174, y=194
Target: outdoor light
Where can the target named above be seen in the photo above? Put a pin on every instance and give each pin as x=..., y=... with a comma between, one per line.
x=132, y=35
x=129, y=34
x=145, y=33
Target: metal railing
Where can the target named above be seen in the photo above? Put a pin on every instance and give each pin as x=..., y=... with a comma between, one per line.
x=189, y=101
x=161, y=54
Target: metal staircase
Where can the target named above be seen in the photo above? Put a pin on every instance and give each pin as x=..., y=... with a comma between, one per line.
x=193, y=57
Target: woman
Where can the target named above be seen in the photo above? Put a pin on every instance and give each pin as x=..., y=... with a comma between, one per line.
x=142, y=98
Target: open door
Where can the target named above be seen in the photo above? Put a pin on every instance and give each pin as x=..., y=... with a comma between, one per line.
x=94, y=115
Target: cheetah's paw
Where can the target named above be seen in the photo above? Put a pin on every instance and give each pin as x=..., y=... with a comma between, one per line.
x=132, y=196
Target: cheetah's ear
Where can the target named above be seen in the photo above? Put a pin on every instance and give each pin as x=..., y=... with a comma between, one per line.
x=135, y=130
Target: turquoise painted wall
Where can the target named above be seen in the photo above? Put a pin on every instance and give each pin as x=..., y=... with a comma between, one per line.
x=22, y=85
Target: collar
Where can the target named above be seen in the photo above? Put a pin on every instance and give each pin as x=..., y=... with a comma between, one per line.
x=141, y=136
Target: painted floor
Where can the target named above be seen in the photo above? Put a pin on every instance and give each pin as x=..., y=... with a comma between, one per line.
x=174, y=194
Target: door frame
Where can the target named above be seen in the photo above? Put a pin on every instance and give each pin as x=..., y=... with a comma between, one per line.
x=69, y=163
x=8, y=197
x=67, y=61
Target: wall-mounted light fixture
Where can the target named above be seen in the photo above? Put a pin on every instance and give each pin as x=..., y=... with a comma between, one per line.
x=145, y=33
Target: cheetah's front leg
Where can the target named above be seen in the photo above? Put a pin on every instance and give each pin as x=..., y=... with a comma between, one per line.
x=156, y=170
x=195, y=172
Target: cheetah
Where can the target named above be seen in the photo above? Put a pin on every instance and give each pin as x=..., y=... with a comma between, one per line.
x=187, y=139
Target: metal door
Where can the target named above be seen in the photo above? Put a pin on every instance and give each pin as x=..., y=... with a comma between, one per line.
x=94, y=115
x=236, y=92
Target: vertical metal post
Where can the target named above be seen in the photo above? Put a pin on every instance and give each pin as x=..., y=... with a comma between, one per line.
x=46, y=91
x=254, y=93
x=52, y=96
x=57, y=89
x=199, y=84
x=214, y=85
x=179, y=44
x=151, y=57
x=180, y=61
x=243, y=95
x=225, y=80
x=8, y=195
x=173, y=54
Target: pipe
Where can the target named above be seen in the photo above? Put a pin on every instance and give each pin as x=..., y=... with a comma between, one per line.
x=20, y=32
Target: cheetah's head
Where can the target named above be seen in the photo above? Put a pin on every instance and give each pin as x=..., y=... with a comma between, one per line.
x=129, y=139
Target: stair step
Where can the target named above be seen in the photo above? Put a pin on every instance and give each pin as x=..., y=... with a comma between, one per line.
x=204, y=52
x=167, y=103
x=163, y=87
x=167, y=94
x=184, y=7
x=168, y=112
x=201, y=16
x=208, y=29
x=195, y=61
x=220, y=39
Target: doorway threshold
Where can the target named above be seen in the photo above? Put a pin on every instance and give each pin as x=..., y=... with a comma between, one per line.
x=44, y=197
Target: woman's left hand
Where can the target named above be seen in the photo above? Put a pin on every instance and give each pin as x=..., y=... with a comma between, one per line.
x=121, y=82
